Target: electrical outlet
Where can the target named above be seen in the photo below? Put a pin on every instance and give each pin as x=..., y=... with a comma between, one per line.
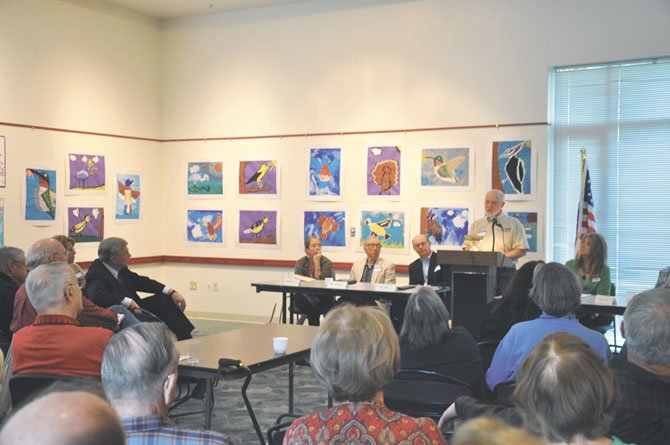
x=213, y=287
x=352, y=232
x=193, y=285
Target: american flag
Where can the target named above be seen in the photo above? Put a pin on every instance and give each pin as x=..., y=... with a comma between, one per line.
x=586, y=217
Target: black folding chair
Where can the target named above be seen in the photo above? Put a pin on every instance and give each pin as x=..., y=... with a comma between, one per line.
x=277, y=431
x=502, y=393
x=24, y=386
x=423, y=393
x=486, y=350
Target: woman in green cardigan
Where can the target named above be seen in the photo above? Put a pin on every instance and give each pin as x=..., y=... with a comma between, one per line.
x=591, y=265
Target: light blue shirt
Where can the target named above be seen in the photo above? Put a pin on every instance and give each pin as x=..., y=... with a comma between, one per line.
x=425, y=263
x=523, y=337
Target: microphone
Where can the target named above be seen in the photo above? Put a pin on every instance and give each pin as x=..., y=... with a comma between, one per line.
x=494, y=221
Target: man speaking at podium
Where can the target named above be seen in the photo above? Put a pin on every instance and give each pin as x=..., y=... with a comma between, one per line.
x=498, y=232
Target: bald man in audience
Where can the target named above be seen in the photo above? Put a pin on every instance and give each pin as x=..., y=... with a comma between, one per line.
x=643, y=378
x=499, y=233
x=139, y=376
x=56, y=344
x=64, y=418
x=49, y=251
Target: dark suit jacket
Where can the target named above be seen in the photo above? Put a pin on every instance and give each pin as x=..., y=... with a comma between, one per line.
x=105, y=290
x=441, y=277
x=8, y=289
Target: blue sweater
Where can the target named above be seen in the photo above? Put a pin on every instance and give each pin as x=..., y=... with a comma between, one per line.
x=523, y=337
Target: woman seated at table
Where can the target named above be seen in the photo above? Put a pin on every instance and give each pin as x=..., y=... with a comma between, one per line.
x=557, y=292
x=514, y=306
x=428, y=342
x=591, y=265
x=566, y=393
x=355, y=354
x=317, y=266
x=594, y=275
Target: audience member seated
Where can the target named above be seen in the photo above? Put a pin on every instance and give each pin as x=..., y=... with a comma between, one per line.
x=428, y=342
x=47, y=251
x=566, y=393
x=55, y=343
x=663, y=278
x=591, y=265
x=109, y=282
x=319, y=267
x=139, y=376
x=557, y=292
x=490, y=431
x=64, y=418
x=515, y=305
x=355, y=354
x=13, y=273
x=643, y=378
x=68, y=244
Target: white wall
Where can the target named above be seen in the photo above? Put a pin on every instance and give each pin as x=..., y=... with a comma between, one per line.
x=368, y=64
x=331, y=65
x=80, y=66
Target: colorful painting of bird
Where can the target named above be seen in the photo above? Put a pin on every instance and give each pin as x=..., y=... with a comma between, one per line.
x=327, y=226
x=44, y=197
x=198, y=182
x=446, y=171
x=260, y=174
x=78, y=228
x=385, y=175
x=213, y=228
x=257, y=227
x=128, y=194
x=379, y=228
x=434, y=228
x=515, y=167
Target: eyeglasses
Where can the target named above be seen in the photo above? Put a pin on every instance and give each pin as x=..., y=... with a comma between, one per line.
x=376, y=246
x=420, y=244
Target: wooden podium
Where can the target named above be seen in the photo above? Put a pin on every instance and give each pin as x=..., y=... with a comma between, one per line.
x=473, y=278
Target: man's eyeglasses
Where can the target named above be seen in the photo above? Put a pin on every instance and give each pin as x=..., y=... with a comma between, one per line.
x=376, y=246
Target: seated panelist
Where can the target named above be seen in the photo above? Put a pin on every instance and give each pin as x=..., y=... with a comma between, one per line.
x=317, y=266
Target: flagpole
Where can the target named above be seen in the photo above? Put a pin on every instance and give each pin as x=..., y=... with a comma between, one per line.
x=580, y=214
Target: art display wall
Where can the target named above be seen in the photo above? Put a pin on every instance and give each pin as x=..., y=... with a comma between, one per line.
x=94, y=67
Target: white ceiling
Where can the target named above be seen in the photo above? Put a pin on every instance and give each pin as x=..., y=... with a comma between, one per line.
x=167, y=9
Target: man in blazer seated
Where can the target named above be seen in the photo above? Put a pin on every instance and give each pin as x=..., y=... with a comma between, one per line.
x=423, y=271
x=110, y=282
x=371, y=269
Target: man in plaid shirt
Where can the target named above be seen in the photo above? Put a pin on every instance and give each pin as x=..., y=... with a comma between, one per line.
x=139, y=376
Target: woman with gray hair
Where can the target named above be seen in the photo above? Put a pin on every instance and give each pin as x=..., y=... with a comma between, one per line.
x=355, y=354
x=557, y=292
x=427, y=341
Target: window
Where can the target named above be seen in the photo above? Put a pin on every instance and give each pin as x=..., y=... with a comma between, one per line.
x=620, y=113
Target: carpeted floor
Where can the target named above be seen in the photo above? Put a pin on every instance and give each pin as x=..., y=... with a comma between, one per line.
x=268, y=394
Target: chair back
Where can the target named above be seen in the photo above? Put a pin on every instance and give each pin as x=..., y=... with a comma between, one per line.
x=502, y=393
x=486, y=350
x=423, y=393
x=277, y=431
x=22, y=387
